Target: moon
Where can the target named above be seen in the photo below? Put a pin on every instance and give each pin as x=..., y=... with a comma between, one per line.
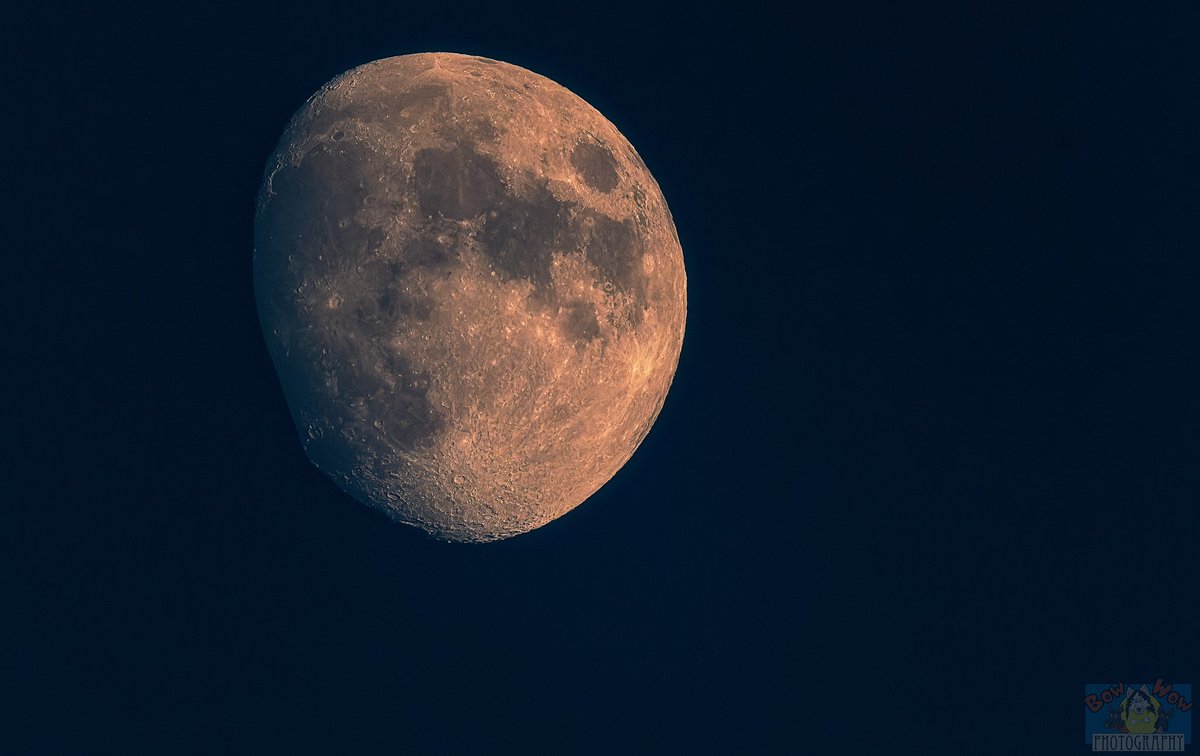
x=471, y=289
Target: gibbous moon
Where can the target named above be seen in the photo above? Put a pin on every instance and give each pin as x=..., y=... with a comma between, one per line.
x=471, y=289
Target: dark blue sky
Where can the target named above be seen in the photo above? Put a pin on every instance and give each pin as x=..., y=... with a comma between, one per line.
x=930, y=463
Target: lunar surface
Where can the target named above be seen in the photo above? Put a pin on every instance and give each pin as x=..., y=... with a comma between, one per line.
x=472, y=291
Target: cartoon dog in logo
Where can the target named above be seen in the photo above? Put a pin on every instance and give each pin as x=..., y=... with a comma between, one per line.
x=1139, y=713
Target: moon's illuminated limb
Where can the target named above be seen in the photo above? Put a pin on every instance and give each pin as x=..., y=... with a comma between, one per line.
x=471, y=288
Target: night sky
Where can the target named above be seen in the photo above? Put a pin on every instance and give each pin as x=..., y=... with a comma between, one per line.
x=929, y=465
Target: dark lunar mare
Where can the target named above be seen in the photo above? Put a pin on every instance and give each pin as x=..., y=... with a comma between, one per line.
x=521, y=233
x=308, y=233
x=304, y=236
x=596, y=166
